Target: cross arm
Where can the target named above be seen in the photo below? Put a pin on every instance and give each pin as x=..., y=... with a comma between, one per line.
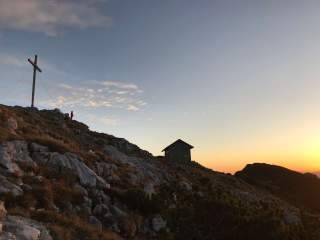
x=34, y=65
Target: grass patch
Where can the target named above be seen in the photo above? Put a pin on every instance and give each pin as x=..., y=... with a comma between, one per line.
x=69, y=227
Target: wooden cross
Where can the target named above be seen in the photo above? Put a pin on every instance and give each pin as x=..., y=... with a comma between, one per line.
x=35, y=69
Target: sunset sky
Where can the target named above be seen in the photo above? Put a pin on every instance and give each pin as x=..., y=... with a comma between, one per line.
x=239, y=80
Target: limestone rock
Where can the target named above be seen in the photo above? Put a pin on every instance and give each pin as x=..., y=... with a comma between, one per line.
x=115, y=154
x=145, y=168
x=149, y=190
x=102, y=198
x=25, y=229
x=106, y=170
x=72, y=162
x=14, y=152
x=101, y=210
x=9, y=187
x=158, y=223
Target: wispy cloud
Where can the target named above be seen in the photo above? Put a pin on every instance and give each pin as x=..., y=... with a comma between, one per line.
x=120, y=85
x=50, y=16
x=105, y=94
x=132, y=108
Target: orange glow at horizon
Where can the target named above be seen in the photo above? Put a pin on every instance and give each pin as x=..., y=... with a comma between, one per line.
x=299, y=153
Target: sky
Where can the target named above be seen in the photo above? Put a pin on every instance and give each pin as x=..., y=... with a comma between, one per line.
x=239, y=80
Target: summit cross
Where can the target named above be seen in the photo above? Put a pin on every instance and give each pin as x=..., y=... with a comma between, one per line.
x=35, y=69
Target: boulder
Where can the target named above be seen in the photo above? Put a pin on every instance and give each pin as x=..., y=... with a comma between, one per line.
x=145, y=169
x=14, y=152
x=149, y=190
x=158, y=223
x=101, y=197
x=25, y=229
x=101, y=210
x=8, y=187
x=106, y=170
x=87, y=177
x=115, y=154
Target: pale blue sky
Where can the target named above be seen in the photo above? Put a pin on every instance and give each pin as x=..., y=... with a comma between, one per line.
x=239, y=80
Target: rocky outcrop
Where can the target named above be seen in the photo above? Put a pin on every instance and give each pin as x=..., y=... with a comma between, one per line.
x=7, y=186
x=20, y=228
x=158, y=223
x=12, y=153
x=149, y=190
x=72, y=162
x=15, y=153
x=107, y=171
x=24, y=229
x=129, y=149
x=145, y=169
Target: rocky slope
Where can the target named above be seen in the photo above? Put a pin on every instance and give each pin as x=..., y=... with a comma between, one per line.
x=59, y=180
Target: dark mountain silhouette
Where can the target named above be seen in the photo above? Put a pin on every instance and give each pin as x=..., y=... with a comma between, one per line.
x=300, y=189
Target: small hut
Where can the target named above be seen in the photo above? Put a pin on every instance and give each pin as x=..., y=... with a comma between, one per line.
x=179, y=151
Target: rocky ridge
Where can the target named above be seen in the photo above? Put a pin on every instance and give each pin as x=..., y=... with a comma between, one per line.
x=59, y=180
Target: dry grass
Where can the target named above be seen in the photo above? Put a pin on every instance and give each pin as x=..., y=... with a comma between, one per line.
x=4, y=134
x=72, y=227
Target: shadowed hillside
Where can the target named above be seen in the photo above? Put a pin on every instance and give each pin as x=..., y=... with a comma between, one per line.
x=59, y=180
x=300, y=189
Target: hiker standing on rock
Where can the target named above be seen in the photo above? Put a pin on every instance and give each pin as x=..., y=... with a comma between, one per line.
x=71, y=115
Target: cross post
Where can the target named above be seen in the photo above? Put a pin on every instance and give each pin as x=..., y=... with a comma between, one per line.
x=35, y=69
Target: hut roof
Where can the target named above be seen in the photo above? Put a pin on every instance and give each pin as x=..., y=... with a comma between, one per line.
x=178, y=142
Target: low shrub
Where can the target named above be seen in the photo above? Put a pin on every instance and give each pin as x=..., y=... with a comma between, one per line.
x=137, y=200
